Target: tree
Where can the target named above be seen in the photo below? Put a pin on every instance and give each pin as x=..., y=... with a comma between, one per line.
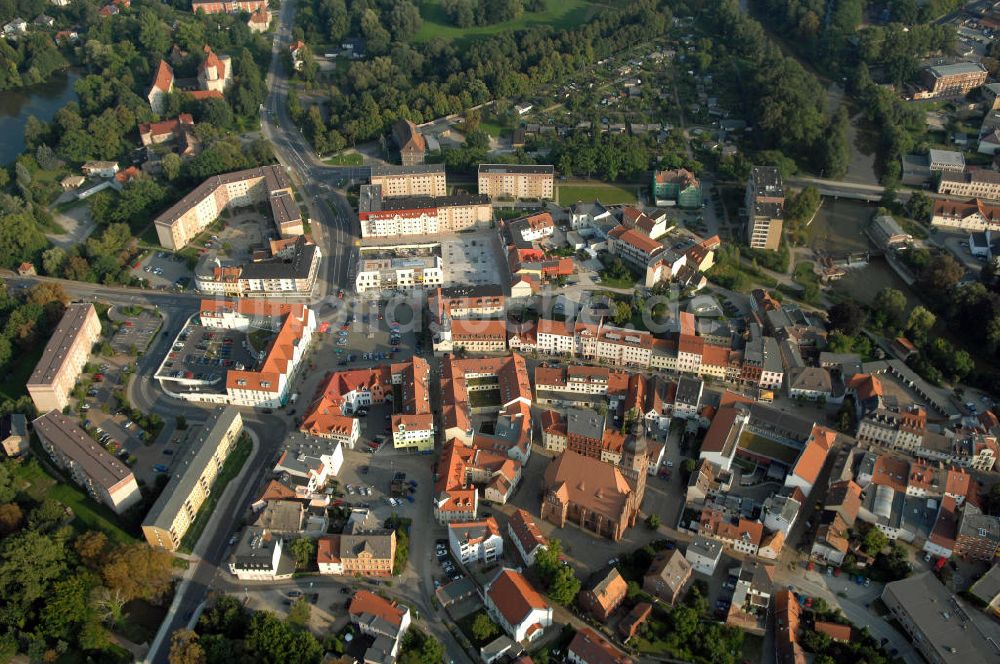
x=300, y=614
x=109, y=606
x=171, y=164
x=53, y=260
x=484, y=629
x=91, y=546
x=304, y=550
x=139, y=572
x=185, y=648
x=623, y=313
x=874, y=541
x=653, y=520
x=890, y=303
x=20, y=240
x=274, y=642
x=418, y=648
x=919, y=324
x=847, y=316
x=941, y=275
x=919, y=207
x=11, y=518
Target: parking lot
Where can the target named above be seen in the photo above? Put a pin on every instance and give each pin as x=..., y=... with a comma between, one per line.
x=163, y=269
x=201, y=356
x=136, y=331
x=472, y=258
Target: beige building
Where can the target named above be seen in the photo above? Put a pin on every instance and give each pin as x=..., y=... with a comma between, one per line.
x=977, y=183
x=105, y=478
x=512, y=181
x=192, y=478
x=952, y=80
x=416, y=180
x=765, y=205
x=420, y=215
x=193, y=213
x=64, y=357
x=14, y=434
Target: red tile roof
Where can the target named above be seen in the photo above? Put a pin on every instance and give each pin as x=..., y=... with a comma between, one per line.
x=588, y=647
x=513, y=596
x=835, y=631
x=164, y=77
x=365, y=602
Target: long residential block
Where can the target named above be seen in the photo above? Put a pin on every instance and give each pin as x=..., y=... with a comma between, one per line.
x=513, y=181
x=64, y=357
x=191, y=480
x=104, y=477
x=193, y=213
x=416, y=180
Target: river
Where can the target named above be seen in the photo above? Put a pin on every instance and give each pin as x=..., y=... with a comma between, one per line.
x=42, y=101
x=839, y=228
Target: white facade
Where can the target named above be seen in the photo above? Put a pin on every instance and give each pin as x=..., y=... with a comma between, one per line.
x=704, y=561
x=485, y=550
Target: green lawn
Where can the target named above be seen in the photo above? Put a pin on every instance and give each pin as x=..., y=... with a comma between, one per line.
x=484, y=398
x=560, y=14
x=230, y=469
x=15, y=384
x=768, y=448
x=350, y=159
x=89, y=515
x=609, y=194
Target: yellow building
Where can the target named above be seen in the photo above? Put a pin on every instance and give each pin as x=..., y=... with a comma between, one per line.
x=64, y=357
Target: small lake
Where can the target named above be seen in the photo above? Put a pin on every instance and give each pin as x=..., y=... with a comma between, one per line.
x=42, y=101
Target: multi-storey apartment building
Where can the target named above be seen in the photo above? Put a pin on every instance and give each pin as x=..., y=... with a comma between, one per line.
x=765, y=206
x=952, y=80
x=104, y=477
x=678, y=186
x=364, y=549
x=381, y=216
x=228, y=6
x=196, y=211
x=620, y=346
x=392, y=272
x=192, y=479
x=636, y=249
x=416, y=180
x=511, y=181
x=476, y=541
x=976, y=183
x=481, y=301
x=64, y=357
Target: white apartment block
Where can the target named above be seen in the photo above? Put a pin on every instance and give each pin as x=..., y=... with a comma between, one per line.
x=476, y=541
x=64, y=357
x=416, y=180
x=104, y=477
x=512, y=181
x=403, y=274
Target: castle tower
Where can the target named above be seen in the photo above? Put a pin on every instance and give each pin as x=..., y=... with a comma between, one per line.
x=634, y=463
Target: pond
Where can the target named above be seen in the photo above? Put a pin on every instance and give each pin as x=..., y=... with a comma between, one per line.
x=42, y=101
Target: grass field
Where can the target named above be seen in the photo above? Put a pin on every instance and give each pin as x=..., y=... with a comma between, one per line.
x=609, y=194
x=350, y=159
x=15, y=385
x=560, y=14
x=37, y=483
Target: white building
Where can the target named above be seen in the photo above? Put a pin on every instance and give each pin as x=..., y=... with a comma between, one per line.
x=476, y=541
x=258, y=557
x=517, y=607
x=704, y=554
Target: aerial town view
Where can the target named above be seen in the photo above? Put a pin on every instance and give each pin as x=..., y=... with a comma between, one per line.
x=500, y=331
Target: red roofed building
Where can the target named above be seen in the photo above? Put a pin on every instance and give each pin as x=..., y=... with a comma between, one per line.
x=835, y=631
x=163, y=84
x=807, y=467
x=517, y=607
x=259, y=20
x=589, y=647
x=526, y=535
x=154, y=133
x=215, y=73
x=787, y=616
x=381, y=619
x=971, y=215
x=634, y=248
x=412, y=146
x=228, y=6
x=740, y=534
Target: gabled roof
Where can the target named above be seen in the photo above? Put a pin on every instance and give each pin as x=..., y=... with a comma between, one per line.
x=513, y=596
x=164, y=78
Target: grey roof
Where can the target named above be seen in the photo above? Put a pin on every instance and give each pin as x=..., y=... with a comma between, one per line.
x=282, y=516
x=62, y=338
x=378, y=545
x=383, y=170
x=481, y=290
x=815, y=379
x=14, y=424
x=955, y=69
x=594, y=209
x=255, y=550
x=949, y=158
x=584, y=422
x=497, y=647
x=780, y=423
x=296, y=266
x=978, y=525
x=767, y=180
x=516, y=168
x=705, y=547
x=947, y=626
x=987, y=588
x=688, y=390
x=419, y=202
x=772, y=356
x=97, y=464
x=274, y=177
x=457, y=591
x=191, y=464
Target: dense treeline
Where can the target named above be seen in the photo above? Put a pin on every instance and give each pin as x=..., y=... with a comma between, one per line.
x=428, y=80
x=467, y=13
x=62, y=590
x=784, y=101
x=379, y=22
x=28, y=319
